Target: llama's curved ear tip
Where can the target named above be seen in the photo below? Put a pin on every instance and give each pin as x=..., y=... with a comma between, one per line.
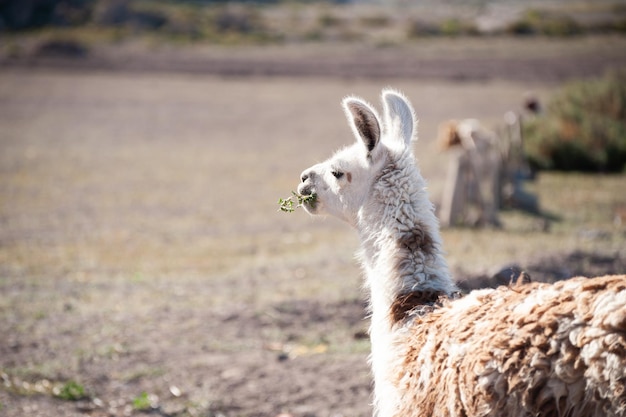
x=352, y=100
x=346, y=100
x=388, y=92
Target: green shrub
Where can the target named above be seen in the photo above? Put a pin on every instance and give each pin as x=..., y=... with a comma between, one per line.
x=538, y=22
x=456, y=27
x=583, y=129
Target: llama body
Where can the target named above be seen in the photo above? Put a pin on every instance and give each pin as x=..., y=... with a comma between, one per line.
x=525, y=351
x=532, y=350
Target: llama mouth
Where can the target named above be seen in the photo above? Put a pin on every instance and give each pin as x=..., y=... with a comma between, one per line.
x=309, y=202
x=307, y=198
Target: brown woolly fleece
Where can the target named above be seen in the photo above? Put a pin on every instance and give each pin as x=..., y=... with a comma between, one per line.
x=527, y=350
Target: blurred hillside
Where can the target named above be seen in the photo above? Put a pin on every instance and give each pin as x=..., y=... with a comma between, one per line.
x=307, y=20
x=546, y=41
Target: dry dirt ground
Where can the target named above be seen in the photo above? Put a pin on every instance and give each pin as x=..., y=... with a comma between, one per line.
x=471, y=59
x=142, y=255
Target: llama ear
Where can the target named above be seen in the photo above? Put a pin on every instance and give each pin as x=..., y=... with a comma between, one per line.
x=363, y=120
x=399, y=117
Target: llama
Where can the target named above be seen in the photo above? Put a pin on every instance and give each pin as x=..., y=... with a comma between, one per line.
x=523, y=350
x=473, y=183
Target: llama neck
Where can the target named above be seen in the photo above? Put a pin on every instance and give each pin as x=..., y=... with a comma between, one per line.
x=404, y=266
x=401, y=247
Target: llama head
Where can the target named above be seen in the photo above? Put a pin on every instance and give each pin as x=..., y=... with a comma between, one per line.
x=343, y=183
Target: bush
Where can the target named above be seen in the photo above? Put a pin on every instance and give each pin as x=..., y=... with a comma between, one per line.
x=537, y=22
x=456, y=27
x=584, y=128
x=27, y=14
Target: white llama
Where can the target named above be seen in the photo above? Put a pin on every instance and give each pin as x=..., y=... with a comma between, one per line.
x=526, y=350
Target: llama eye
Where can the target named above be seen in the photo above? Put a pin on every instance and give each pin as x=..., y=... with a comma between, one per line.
x=337, y=174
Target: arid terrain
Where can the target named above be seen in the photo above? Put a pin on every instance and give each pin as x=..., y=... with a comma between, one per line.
x=145, y=268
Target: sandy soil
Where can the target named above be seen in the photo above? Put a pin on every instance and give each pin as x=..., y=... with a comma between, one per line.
x=141, y=250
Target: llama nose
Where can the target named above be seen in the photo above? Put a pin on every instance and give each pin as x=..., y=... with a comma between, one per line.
x=306, y=175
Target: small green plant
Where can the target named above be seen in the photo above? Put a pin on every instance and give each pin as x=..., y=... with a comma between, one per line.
x=296, y=200
x=142, y=402
x=71, y=391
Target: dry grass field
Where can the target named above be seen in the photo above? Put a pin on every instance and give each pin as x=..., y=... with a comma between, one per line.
x=145, y=268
